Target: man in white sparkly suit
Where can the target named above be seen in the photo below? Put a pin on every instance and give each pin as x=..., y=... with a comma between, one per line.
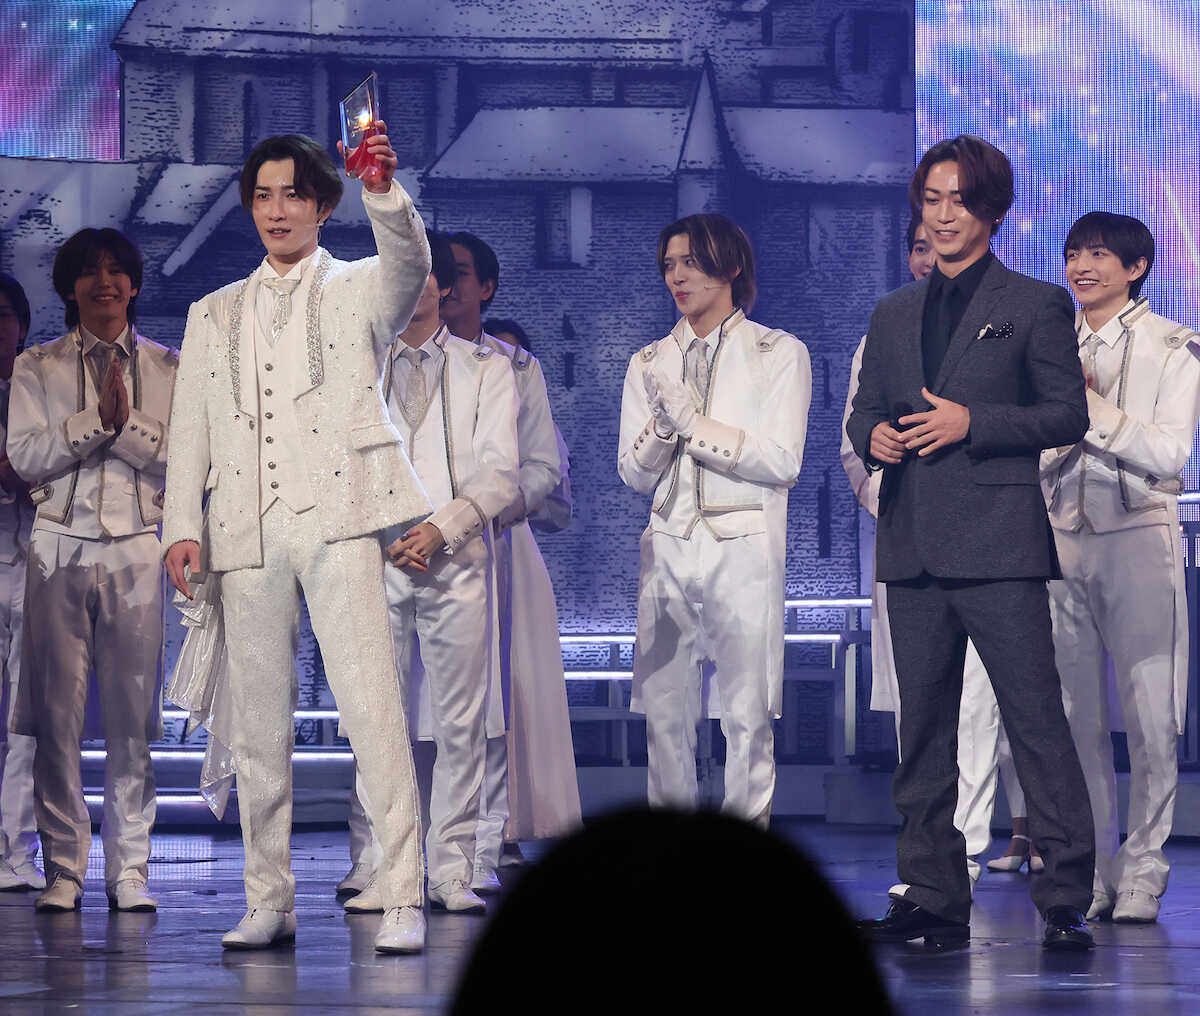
x=279, y=421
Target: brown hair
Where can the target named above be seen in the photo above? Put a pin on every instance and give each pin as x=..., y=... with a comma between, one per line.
x=985, y=177
x=85, y=250
x=315, y=175
x=722, y=250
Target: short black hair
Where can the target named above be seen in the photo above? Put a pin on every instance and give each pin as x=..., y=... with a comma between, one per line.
x=985, y=177
x=494, y=326
x=315, y=175
x=1125, y=236
x=11, y=288
x=487, y=267
x=444, y=270
x=83, y=251
x=721, y=248
x=910, y=235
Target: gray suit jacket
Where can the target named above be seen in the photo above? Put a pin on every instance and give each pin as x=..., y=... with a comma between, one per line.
x=975, y=510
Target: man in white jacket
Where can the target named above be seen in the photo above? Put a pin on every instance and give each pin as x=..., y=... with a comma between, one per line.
x=88, y=428
x=713, y=421
x=280, y=419
x=456, y=405
x=18, y=825
x=1113, y=502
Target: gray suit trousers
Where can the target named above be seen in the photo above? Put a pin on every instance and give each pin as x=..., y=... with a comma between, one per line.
x=1009, y=622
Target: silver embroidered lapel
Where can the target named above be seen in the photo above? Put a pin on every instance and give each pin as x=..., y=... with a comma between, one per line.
x=235, y=341
x=312, y=319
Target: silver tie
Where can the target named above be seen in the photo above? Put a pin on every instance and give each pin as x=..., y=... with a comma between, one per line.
x=283, y=289
x=698, y=371
x=1090, y=346
x=416, y=394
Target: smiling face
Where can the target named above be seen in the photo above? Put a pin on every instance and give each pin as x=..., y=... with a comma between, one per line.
x=288, y=224
x=959, y=237
x=1099, y=281
x=922, y=257
x=102, y=292
x=705, y=301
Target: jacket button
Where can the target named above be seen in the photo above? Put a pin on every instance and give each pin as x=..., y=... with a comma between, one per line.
x=270, y=465
x=133, y=427
x=1101, y=435
x=153, y=437
x=268, y=366
x=267, y=391
x=701, y=444
x=274, y=484
x=726, y=453
x=75, y=443
x=270, y=440
x=270, y=416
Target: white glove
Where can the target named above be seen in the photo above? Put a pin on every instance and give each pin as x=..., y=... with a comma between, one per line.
x=672, y=406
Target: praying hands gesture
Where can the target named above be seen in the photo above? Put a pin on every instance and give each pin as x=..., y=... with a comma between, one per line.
x=415, y=548
x=114, y=398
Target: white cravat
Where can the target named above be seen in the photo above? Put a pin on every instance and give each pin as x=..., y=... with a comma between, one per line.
x=416, y=393
x=283, y=289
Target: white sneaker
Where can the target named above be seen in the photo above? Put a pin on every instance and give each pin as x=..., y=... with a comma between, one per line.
x=1102, y=906
x=1135, y=906
x=898, y=890
x=131, y=894
x=31, y=873
x=10, y=881
x=402, y=930
x=356, y=879
x=63, y=895
x=485, y=882
x=261, y=929
x=369, y=901
x=457, y=897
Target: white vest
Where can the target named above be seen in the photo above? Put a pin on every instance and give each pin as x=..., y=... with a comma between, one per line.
x=282, y=469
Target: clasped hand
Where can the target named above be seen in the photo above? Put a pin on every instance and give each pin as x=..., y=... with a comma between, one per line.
x=114, y=398
x=947, y=423
x=670, y=404
x=416, y=547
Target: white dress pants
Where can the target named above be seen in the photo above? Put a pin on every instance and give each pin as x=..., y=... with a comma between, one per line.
x=701, y=600
x=342, y=583
x=493, y=801
x=1117, y=599
x=18, y=825
x=93, y=604
x=445, y=610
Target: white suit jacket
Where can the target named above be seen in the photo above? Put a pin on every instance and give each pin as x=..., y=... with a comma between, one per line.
x=51, y=433
x=361, y=478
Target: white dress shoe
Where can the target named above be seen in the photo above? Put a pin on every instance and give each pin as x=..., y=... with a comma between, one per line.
x=131, y=894
x=31, y=873
x=369, y=901
x=11, y=882
x=485, y=882
x=261, y=929
x=1134, y=906
x=457, y=897
x=402, y=930
x=1102, y=906
x=63, y=895
x=898, y=890
x=356, y=879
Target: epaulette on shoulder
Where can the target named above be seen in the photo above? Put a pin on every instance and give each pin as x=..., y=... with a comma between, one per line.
x=766, y=342
x=482, y=352
x=1177, y=339
x=648, y=352
x=521, y=358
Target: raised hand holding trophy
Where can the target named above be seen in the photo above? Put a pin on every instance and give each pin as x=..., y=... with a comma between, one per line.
x=360, y=122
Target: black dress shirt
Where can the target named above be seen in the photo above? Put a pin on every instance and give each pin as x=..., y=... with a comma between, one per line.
x=945, y=304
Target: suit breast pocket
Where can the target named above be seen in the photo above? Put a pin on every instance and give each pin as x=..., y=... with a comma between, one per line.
x=1004, y=470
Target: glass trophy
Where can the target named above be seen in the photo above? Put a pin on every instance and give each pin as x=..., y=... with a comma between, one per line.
x=360, y=118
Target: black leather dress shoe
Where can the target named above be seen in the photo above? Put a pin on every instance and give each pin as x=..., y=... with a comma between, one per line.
x=1066, y=930
x=906, y=921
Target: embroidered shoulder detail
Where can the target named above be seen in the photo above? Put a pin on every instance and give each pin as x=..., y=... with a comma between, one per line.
x=767, y=341
x=521, y=358
x=312, y=319
x=482, y=352
x=648, y=352
x=1177, y=339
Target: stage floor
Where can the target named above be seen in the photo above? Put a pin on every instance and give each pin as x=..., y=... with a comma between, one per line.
x=171, y=962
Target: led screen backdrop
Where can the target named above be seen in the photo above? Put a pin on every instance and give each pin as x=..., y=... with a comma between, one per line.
x=60, y=94
x=1098, y=106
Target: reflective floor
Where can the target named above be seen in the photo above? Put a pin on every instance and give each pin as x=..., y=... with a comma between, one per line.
x=171, y=962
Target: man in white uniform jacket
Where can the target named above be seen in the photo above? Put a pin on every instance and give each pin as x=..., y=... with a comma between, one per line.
x=456, y=405
x=530, y=656
x=87, y=427
x=280, y=420
x=713, y=420
x=18, y=825
x=1113, y=503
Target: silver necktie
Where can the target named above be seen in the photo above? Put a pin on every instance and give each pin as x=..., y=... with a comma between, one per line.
x=1090, y=346
x=416, y=394
x=698, y=372
x=283, y=289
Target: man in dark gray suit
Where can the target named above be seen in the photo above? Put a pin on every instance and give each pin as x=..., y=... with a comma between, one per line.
x=963, y=540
